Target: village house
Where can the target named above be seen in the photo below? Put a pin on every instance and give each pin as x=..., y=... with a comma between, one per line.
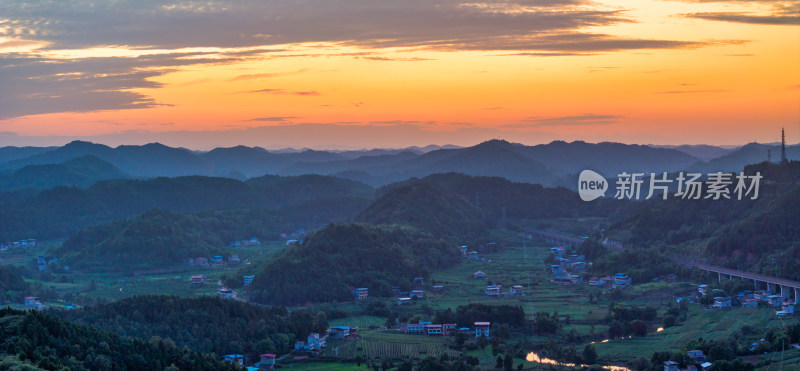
x=721, y=302
x=201, y=262
x=216, y=259
x=492, y=290
x=774, y=300
x=578, y=267
x=340, y=332
x=671, y=366
x=473, y=255
x=482, y=329
x=597, y=282
x=236, y=359
x=702, y=289
x=248, y=280
x=697, y=356
x=418, y=282
x=750, y=303
x=33, y=302
x=397, y=293
x=433, y=329
x=576, y=278
x=314, y=342
x=478, y=275
x=419, y=294
x=517, y=290
x=361, y=293
x=787, y=308
x=438, y=288
x=621, y=281
x=233, y=259
x=762, y=295
x=188, y=261
x=403, y=301
x=746, y=294
x=225, y=293
x=197, y=280
x=414, y=328
x=266, y=362
x=448, y=328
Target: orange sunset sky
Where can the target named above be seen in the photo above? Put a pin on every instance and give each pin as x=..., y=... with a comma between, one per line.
x=373, y=73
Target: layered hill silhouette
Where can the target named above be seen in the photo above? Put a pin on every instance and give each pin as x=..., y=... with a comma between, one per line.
x=544, y=164
x=78, y=172
x=63, y=211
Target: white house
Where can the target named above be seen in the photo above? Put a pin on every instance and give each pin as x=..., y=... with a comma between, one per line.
x=492, y=291
x=482, y=328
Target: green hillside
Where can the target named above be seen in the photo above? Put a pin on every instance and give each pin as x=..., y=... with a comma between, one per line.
x=204, y=324
x=37, y=339
x=426, y=206
x=330, y=262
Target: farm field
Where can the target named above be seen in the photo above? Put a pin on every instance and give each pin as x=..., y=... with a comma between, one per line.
x=116, y=285
x=396, y=350
x=708, y=324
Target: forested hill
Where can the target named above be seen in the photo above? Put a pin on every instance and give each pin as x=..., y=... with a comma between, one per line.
x=429, y=207
x=10, y=279
x=78, y=172
x=767, y=240
x=330, y=262
x=37, y=340
x=204, y=324
x=163, y=237
x=521, y=200
x=760, y=235
x=63, y=211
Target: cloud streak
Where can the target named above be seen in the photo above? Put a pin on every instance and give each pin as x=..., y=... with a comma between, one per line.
x=44, y=80
x=284, y=92
x=775, y=20
x=588, y=119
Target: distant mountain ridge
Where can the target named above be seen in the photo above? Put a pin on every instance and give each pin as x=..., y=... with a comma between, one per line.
x=78, y=172
x=702, y=151
x=555, y=163
x=62, y=211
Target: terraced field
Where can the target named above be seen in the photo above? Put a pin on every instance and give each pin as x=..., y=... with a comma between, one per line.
x=371, y=349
